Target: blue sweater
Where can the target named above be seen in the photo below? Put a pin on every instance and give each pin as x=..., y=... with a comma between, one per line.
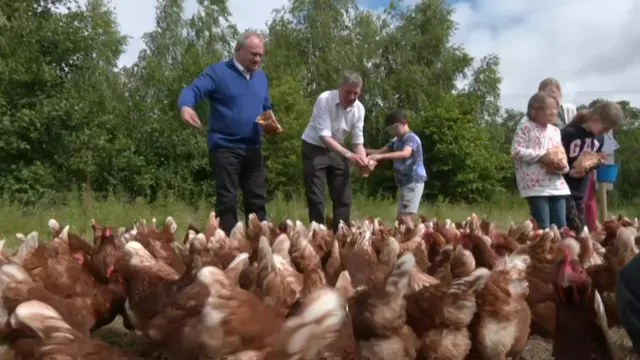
x=234, y=104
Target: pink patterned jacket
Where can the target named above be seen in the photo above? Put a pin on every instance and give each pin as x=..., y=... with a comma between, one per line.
x=530, y=142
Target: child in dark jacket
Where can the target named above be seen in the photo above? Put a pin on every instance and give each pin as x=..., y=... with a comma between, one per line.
x=585, y=133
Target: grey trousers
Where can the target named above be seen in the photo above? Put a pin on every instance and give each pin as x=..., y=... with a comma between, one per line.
x=322, y=166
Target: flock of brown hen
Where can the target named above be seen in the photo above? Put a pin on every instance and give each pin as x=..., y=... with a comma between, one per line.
x=439, y=290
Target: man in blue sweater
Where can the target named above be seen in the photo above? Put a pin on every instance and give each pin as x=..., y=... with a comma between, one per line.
x=237, y=91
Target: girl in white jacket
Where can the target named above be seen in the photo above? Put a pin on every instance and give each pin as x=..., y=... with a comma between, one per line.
x=540, y=160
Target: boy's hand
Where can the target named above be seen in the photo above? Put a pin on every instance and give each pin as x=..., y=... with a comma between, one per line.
x=366, y=170
x=374, y=157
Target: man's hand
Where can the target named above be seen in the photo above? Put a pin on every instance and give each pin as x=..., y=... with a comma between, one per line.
x=365, y=171
x=269, y=123
x=358, y=160
x=190, y=117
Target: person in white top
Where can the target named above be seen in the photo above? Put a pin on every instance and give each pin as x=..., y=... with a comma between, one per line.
x=540, y=160
x=566, y=114
x=336, y=113
x=566, y=111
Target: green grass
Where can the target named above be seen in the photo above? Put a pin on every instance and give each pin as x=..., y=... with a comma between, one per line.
x=78, y=213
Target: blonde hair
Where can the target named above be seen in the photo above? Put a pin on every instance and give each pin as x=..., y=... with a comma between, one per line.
x=537, y=102
x=609, y=113
x=548, y=83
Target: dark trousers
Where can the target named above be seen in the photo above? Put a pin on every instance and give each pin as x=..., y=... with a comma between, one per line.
x=233, y=170
x=628, y=299
x=320, y=166
x=548, y=210
x=575, y=213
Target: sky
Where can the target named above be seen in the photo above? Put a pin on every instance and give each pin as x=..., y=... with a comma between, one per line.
x=591, y=46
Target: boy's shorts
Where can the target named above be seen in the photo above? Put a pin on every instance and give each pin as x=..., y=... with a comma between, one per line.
x=409, y=197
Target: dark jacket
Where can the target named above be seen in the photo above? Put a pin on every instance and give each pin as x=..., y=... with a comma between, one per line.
x=628, y=299
x=576, y=140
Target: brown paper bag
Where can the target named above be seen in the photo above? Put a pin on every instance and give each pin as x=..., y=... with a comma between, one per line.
x=269, y=123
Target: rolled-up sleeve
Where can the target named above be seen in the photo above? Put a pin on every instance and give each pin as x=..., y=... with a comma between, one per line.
x=357, y=133
x=320, y=118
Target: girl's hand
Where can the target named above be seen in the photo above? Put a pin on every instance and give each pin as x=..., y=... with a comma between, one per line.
x=559, y=166
x=576, y=173
x=374, y=157
x=603, y=157
x=550, y=157
x=546, y=159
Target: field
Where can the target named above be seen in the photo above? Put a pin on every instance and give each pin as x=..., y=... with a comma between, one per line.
x=78, y=212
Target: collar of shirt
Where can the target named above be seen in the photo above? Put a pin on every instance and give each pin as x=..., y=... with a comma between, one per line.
x=241, y=68
x=339, y=122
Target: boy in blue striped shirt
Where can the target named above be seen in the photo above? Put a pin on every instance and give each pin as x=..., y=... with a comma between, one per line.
x=406, y=152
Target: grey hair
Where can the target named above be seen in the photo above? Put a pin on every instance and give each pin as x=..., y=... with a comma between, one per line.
x=351, y=78
x=242, y=39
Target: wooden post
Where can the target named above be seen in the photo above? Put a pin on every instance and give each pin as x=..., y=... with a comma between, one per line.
x=609, y=147
x=602, y=203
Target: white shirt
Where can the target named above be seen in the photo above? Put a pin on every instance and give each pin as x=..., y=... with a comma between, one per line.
x=568, y=112
x=330, y=118
x=530, y=143
x=242, y=69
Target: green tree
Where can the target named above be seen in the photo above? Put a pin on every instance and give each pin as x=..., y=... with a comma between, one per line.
x=58, y=95
x=70, y=117
x=418, y=70
x=165, y=154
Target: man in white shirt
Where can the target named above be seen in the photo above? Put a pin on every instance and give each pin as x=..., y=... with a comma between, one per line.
x=324, y=157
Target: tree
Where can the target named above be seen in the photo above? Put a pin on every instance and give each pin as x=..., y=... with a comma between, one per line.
x=57, y=94
x=71, y=118
x=165, y=154
x=406, y=61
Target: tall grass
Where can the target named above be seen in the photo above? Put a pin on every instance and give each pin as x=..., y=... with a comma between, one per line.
x=76, y=210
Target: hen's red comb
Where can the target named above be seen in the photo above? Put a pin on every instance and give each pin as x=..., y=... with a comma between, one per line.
x=107, y=231
x=567, y=232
